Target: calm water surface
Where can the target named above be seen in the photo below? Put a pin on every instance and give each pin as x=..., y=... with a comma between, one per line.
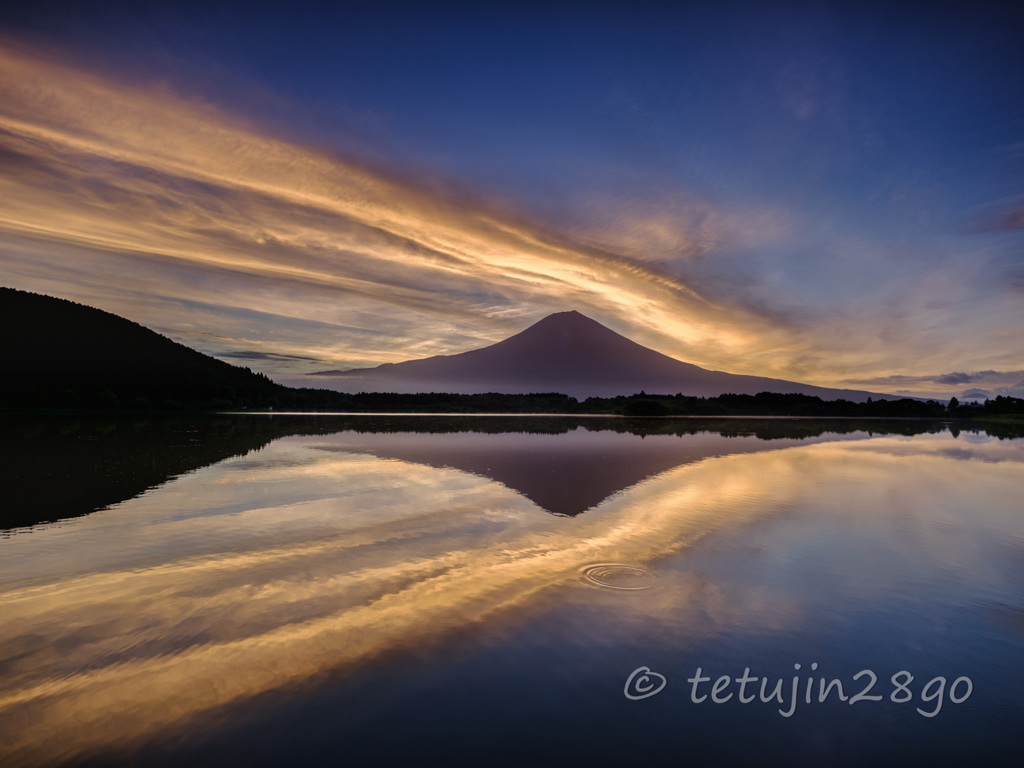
x=327, y=595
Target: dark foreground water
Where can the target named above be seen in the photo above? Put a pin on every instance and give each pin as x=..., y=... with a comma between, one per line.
x=254, y=591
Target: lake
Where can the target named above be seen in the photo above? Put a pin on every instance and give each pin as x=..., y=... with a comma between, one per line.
x=303, y=590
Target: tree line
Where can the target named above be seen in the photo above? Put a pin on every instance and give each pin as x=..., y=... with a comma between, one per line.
x=257, y=392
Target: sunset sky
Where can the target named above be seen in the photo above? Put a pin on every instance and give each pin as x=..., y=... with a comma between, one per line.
x=831, y=193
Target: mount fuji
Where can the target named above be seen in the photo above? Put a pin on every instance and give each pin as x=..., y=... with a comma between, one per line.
x=569, y=353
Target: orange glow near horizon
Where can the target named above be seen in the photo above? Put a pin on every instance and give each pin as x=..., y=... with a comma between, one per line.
x=207, y=223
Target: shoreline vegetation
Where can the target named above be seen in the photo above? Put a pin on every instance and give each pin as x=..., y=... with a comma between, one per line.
x=639, y=405
x=66, y=357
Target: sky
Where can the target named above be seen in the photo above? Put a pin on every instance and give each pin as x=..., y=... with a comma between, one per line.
x=830, y=193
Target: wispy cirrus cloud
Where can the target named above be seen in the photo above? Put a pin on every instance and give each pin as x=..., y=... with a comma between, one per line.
x=986, y=384
x=161, y=189
x=1002, y=220
x=195, y=221
x=254, y=355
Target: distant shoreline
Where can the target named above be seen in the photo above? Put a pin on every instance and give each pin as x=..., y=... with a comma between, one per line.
x=590, y=415
x=639, y=405
x=1009, y=418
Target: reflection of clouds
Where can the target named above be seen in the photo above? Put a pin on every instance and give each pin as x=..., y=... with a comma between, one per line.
x=565, y=473
x=392, y=553
x=926, y=447
x=253, y=575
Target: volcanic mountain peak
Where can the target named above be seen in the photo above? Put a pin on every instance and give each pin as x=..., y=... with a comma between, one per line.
x=571, y=319
x=570, y=353
x=568, y=338
x=570, y=322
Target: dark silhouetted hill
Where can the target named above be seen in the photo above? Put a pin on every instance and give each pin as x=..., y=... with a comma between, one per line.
x=58, y=353
x=61, y=355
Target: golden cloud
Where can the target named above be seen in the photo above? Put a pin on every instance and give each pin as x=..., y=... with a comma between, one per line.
x=164, y=186
x=178, y=214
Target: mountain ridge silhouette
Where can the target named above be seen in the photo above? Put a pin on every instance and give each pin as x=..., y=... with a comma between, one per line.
x=61, y=352
x=571, y=353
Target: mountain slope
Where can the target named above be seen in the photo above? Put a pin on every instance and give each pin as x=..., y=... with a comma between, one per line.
x=59, y=353
x=570, y=353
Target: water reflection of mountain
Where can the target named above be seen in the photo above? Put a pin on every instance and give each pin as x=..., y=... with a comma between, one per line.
x=60, y=467
x=566, y=473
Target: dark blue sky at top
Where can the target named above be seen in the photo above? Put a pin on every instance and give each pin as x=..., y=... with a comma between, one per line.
x=887, y=139
x=894, y=116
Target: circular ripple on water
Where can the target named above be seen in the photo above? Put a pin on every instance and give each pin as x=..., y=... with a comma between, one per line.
x=619, y=576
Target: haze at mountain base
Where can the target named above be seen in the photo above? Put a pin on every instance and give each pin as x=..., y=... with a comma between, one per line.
x=565, y=352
